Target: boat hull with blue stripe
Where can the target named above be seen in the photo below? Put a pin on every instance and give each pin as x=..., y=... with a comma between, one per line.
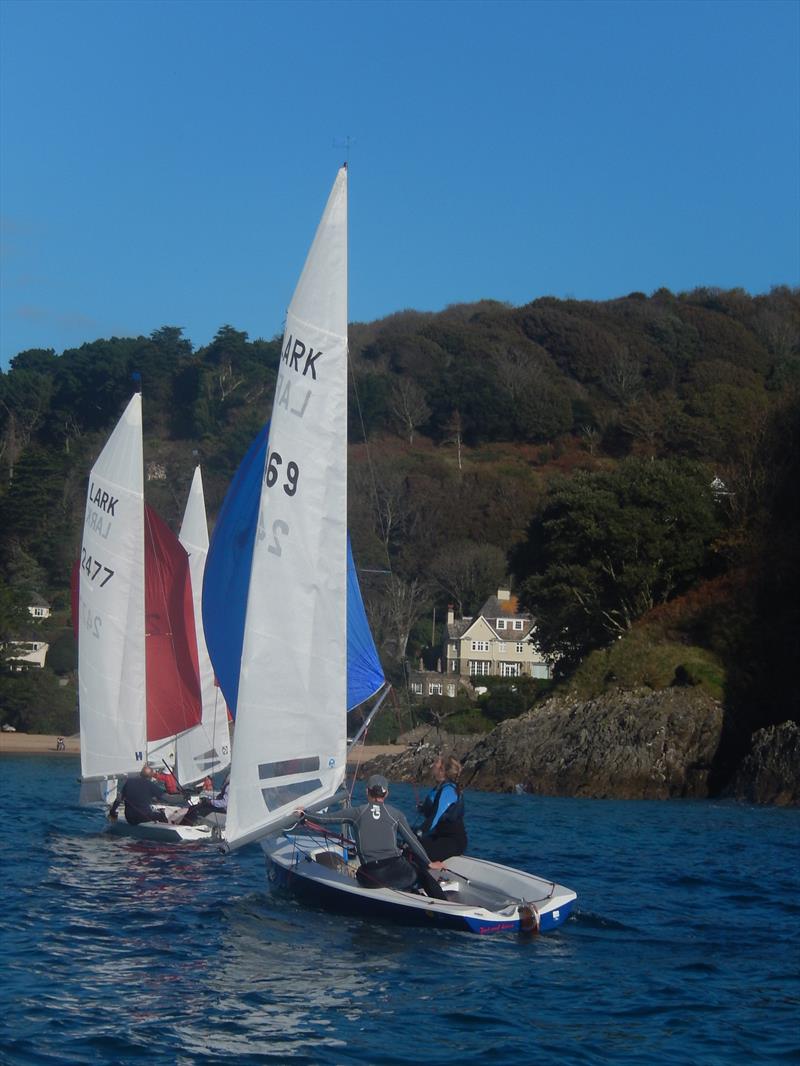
x=482, y=897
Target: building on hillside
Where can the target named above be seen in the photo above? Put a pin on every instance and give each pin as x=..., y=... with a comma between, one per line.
x=38, y=607
x=500, y=641
x=24, y=654
x=424, y=683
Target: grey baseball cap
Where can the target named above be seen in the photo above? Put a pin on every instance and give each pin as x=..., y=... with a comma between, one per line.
x=377, y=783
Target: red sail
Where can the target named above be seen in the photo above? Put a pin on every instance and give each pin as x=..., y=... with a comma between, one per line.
x=173, y=676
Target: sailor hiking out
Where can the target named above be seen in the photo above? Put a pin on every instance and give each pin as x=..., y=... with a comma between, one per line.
x=377, y=826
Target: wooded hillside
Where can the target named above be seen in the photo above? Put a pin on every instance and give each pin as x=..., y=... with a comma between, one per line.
x=622, y=463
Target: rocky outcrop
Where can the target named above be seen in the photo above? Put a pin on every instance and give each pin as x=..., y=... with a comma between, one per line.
x=423, y=745
x=627, y=745
x=770, y=773
x=642, y=744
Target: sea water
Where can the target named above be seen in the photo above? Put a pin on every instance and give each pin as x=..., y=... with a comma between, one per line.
x=684, y=946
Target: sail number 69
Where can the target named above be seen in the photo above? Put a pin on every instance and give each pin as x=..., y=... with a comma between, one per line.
x=292, y=473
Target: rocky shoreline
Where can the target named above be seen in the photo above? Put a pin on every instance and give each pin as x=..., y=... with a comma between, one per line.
x=641, y=744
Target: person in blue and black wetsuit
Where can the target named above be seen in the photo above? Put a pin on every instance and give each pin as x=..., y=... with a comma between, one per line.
x=442, y=833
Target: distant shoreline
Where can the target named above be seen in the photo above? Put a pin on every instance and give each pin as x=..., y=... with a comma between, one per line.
x=45, y=744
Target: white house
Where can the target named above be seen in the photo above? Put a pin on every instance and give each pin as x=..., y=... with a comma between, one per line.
x=26, y=653
x=37, y=607
x=499, y=641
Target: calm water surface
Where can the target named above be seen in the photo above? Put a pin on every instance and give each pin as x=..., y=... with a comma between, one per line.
x=685, y=947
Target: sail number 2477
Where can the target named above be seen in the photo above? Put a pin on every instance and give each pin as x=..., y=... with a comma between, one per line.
x=94, y=569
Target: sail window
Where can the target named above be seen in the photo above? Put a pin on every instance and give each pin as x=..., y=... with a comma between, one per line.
x=268, y=770
x=281, y=795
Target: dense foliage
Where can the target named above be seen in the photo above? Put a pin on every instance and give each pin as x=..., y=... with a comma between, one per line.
x=568, y=445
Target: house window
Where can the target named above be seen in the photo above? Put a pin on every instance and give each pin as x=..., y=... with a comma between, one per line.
x=451, y=691
x=454, y=666
x=416, y=688
x=520, y=647
x=518, y=624
x=540, y=670
x=480, y=645
x=501, y=646
x=509, y=669
x=454, y=649
x=435, y=688
x=501, y=623
x=479, y=667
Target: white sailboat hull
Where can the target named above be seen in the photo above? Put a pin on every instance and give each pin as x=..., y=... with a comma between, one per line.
x=204, y=832
x=482, y=897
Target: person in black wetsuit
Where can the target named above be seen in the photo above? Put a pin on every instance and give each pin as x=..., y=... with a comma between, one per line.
x=442, y=832
x=218, y=805
x=377, y=827
x=138, y=794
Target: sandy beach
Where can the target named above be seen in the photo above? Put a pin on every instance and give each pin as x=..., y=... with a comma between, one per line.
x=40, y=744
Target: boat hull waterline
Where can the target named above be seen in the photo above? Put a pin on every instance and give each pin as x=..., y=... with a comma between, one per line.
x=483, y=897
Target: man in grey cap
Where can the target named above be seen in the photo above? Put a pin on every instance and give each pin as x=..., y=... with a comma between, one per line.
x=377, y=826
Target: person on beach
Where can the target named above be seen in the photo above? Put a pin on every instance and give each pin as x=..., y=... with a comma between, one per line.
x=442, y=832
x=138, y=794
x=377, y=826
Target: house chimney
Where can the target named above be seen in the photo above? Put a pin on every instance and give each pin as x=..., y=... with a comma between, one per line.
x=450, y=616
x=503, y=594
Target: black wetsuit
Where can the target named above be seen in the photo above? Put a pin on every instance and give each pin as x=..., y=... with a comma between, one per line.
x=138, y=794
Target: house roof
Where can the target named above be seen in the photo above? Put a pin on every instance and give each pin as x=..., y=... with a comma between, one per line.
x=497, y=608
x=35, y=600
x=491, y=610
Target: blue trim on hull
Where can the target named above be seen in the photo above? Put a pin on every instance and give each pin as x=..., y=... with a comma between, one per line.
x=320, y=894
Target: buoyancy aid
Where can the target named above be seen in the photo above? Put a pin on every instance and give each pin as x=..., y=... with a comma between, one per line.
x=451, y=821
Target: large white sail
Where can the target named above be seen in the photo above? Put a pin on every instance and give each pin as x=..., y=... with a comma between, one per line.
x=206, y=748
x=111, y=630
x=290, y=733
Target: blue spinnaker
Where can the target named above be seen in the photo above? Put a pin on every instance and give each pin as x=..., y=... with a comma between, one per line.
x=227, y=580
x=364, y=671
x=227, y=575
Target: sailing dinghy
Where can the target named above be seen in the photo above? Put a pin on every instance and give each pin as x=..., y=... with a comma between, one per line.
x=137, y=651
x=279, y=618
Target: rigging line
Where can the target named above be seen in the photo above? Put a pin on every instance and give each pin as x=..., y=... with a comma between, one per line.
x=362, y=745
x=370, y=464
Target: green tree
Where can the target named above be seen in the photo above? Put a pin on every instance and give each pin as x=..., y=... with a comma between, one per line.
x=608, y=546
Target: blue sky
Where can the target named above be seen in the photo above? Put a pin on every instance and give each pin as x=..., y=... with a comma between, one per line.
x=166, y=163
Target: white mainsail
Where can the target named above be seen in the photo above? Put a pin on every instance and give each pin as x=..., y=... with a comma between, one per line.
x=205, y=749
x=111, y=610
x=290, y=733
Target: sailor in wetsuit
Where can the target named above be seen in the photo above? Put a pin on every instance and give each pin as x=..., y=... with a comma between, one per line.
x=377, y=826
x=138, y=794
x=442, y=833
